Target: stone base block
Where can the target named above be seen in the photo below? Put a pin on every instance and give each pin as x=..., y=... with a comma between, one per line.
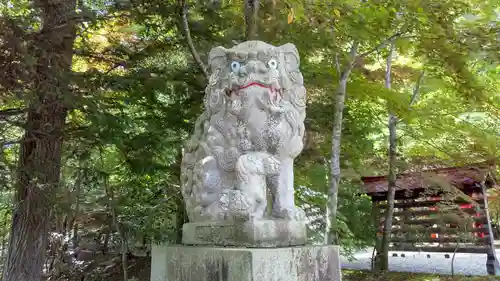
x=196, y=263
x=261, y=233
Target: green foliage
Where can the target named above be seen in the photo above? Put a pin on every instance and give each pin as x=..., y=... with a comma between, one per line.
x=137, y=92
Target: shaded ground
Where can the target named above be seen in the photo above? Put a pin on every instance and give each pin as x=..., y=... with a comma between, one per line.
x=464, y=264
x=140, y=269
x=348, y=275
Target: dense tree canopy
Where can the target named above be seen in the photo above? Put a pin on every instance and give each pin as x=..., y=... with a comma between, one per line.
x=136, y=83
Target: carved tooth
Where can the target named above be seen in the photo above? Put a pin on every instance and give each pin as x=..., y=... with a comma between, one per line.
x=275, y=84
x=279, y=96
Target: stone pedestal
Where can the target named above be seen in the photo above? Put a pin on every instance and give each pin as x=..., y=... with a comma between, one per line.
x=258, y=234
x=196, y=263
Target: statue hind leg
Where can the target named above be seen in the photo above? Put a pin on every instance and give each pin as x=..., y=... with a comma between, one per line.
x=284, y=195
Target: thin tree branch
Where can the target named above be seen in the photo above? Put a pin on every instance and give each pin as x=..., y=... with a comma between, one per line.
x=352, y=60
x=337, y=63
x=11, y=112
x=381, y=45
x=416, y=90
x=96, y=56
x=9, y=143
x=429, y=143
x=187, y=33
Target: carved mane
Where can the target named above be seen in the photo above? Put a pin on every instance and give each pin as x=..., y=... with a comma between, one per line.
x=217, y=141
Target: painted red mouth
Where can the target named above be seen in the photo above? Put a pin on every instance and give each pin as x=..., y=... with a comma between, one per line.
x=258, y=84
x=274, y=93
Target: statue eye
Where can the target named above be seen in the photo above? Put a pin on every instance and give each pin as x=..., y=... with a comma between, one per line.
x=235, y=66
x=272, y=63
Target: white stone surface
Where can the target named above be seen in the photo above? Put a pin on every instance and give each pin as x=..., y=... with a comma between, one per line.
x=186, y=263
x=259, y=233
x=245, y=141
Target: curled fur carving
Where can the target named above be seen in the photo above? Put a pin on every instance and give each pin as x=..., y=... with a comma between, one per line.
x=208, y=169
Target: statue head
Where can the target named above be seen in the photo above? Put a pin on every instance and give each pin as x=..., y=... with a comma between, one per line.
x=257, y=75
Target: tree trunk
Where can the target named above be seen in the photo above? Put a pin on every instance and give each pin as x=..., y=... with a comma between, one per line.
x=180, y=218
x=118, y=227
x=336, y=145
x=180, y=215
x=40, y=152
x=74, y=224
x=327, y=212
x=251, y=11
x=383, y=257
x=187, y=34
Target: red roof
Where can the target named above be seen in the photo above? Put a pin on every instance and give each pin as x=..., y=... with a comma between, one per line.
x=457, y=176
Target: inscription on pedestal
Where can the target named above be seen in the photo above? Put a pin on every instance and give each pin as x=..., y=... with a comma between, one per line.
x=215, y=233
x=263, y=233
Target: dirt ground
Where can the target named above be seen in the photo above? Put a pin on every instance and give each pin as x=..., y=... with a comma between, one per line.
x=351, y=275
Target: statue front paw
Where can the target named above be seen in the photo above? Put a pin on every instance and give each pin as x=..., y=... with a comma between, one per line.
x=293, y=213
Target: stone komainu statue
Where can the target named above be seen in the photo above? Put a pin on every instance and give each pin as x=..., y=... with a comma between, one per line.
x=245, y=141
